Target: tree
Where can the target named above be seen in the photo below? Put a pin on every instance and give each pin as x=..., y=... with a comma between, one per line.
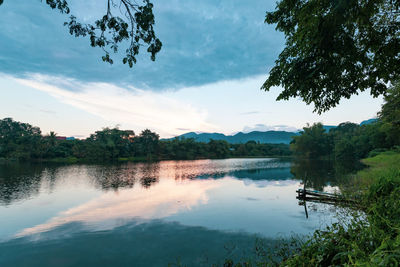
x=218, y=148
x=390, y=115
x=135, y=26
x=335, y=48
x=112, y=143
x=148, y=142
x=18, y=140
x=391, y=108
x=313, y=142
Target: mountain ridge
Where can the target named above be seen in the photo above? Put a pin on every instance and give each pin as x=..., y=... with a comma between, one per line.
x=265, y=137
x=270, y=137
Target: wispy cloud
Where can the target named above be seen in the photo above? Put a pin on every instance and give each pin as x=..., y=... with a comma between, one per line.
x=130, y=107
x=250, y=113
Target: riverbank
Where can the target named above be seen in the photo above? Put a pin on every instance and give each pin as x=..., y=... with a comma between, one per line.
x=370, y=240
x=371, y=237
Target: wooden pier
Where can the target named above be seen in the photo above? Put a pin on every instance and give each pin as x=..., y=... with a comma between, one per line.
x=305, y=195
x=318, y=196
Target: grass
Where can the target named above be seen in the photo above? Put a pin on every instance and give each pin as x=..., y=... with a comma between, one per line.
x=385, y=164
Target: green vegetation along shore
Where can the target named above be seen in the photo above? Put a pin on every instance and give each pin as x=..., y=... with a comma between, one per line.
x=370, y=239
x=23, y=142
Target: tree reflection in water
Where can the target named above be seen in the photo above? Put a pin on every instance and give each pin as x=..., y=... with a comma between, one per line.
x=22, y=181
x=318, y=174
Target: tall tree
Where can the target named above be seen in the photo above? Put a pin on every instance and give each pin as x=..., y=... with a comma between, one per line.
x=313, y=142
x=134, y=25
x=18, y=140
x=335, y=49
x=391, y=108
x=390, y=115
x=148, y=141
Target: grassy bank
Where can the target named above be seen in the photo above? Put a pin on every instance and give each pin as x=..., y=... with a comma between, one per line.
x=370, y=240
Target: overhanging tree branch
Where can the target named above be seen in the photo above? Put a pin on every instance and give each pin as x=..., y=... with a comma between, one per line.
x=136, y=28
x=335, y=49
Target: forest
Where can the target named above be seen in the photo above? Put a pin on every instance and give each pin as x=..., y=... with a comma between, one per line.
x=24, y=142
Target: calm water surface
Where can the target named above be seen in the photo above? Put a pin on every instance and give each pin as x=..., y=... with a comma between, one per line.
x=149, y=214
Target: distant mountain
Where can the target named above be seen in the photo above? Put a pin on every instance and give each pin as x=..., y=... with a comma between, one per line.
x=269, y=137
x=368, y=121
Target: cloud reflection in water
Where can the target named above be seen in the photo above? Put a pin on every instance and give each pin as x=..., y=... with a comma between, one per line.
x=111, y=209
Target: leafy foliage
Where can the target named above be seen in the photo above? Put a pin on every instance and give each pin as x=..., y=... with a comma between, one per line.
x=335, y=49
x=135, y=26
x=18, y=140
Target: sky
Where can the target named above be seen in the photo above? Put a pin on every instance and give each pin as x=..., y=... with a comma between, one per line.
x=207, y=77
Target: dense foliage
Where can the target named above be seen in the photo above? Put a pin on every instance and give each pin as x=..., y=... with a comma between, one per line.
x=347, y=142
x=334, y=49
x=21, y=141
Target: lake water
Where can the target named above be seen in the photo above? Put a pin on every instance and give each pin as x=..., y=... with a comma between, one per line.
x=150, y=214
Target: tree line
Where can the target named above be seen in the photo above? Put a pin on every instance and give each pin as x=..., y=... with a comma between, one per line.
x=24, y=142
x=350, y=142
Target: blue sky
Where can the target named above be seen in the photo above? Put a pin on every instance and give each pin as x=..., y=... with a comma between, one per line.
x=215, y=57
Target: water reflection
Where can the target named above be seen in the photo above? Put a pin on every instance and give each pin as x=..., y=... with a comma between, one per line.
x=152, y=207
x=19, y=182
x=318, y=174
x=114, y=208
x=150, y=244
x=315, y=174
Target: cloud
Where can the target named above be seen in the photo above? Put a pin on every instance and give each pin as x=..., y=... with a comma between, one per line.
x=112, y=208
x=129, y=107
x=250, y=113
x=203, y=42
x=264, y=128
